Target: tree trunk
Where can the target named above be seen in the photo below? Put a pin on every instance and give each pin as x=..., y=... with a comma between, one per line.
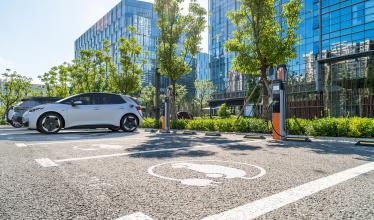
x=265, y=94
x=157, y=98
x=201, y=108
x=173, y=101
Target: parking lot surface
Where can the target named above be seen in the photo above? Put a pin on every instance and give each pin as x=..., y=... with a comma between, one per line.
x=97, y=174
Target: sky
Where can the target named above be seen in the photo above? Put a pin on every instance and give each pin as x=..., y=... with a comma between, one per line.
x=38, y=34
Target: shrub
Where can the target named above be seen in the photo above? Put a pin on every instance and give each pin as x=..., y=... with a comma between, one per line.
x=151, y=123
x=223, y=112
x=179, y=124
x=2, y=119
x=333, y=127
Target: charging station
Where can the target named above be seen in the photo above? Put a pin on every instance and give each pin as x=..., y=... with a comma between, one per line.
x=279, y=103
x=166, y=117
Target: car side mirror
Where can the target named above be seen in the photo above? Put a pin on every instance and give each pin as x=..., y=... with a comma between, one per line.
x=75, y=103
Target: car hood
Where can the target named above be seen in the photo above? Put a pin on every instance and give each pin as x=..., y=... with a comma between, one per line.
x=49, y=106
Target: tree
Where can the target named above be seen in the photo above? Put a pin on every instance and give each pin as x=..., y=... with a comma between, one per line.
x=93, y=71
x=204, y=90
x=105, y=68
x=127, y=81
x=262, y=38
x=180, y=96
x=13, y=88
x=56, y=81
x=223, y=112
x=179, y=40
x=147, y=98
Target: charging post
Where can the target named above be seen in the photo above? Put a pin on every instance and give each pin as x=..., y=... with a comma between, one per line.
x=279, y=103
x=167, y=111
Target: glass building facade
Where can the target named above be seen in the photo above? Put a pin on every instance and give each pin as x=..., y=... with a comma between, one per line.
x=333, y=74
x=220, y=30
x=203, y=66
x=115, y=24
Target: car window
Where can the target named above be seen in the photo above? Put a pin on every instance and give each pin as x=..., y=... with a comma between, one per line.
x=107, y=99
x=87, y=99
x=28, y=104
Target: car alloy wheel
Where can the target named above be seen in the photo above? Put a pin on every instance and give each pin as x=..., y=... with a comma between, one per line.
x=129, y=123
x=16, y=124
x=50, y=123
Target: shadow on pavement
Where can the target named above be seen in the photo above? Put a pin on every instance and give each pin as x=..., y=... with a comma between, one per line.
x=68, y=135
x=169, y=141
x=365, y=153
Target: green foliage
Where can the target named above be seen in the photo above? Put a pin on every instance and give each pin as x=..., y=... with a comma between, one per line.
x=56, y=81
x=204, y=90
x=180, y=95
x=179, y=124
x=223, y=112
x=127, y=81
x=177, y=29
x=147, y=98
x=93, y=71
x=13, y=88
x=151, y=123
x=332, y=127
x=259, y=41
x=2, y=114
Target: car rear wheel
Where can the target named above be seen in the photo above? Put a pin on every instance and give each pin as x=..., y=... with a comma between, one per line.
x=129, y=123
x=50, y=123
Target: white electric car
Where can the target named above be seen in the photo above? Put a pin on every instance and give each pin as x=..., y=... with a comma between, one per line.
x=88, y=110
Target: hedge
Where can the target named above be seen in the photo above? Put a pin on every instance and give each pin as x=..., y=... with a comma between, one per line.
x=332, y=127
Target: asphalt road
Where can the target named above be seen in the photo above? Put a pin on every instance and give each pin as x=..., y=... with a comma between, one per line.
x=96, y=174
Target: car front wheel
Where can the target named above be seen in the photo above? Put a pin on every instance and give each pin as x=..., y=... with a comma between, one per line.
x=50, y=123
x=129, y=123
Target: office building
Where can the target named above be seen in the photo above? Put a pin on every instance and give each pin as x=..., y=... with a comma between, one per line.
x=202, y=68
x=333, y=74
x=114, y=25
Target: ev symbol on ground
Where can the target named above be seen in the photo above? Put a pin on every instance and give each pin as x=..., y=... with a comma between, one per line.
x=205, y=172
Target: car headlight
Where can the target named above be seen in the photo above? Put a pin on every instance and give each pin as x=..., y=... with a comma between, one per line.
x=35, y=109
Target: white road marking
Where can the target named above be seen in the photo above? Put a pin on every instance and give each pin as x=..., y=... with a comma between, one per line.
x=257, y=208
x=83, y=141
x=146, y=151
x=21, y=145
x=13, y=129
x=45, y=162
x=135, y=216
x=210, y=169
x=132, y=153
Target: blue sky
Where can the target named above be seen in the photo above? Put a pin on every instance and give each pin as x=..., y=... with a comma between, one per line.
x=38, y=34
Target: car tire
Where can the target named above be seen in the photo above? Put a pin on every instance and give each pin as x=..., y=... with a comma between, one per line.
x=115, y=129
x=16, y=124
x=129, y=123
x=50, y=123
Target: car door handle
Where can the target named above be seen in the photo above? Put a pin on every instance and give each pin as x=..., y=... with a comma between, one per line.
x=96, y=109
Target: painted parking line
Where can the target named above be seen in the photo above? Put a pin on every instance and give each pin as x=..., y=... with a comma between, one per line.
x=135, y=216
x=131, y=153
x=138, y=152
x=81, y=141
x=45, y=162
x=21, y=144
x=257, y=208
